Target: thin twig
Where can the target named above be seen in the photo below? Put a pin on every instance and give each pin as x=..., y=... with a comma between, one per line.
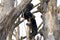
x=40, y=25
x=36, y=5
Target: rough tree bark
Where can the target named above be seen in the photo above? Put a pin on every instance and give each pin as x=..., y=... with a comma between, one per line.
x=50, y=20
x=7, y=6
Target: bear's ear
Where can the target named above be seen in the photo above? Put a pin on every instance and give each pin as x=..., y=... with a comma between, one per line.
x=29, y=6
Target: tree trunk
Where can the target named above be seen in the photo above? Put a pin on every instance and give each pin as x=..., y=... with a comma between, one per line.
x=50, y=20
x=9, y=15
x=7, y=6
x=28, y=32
